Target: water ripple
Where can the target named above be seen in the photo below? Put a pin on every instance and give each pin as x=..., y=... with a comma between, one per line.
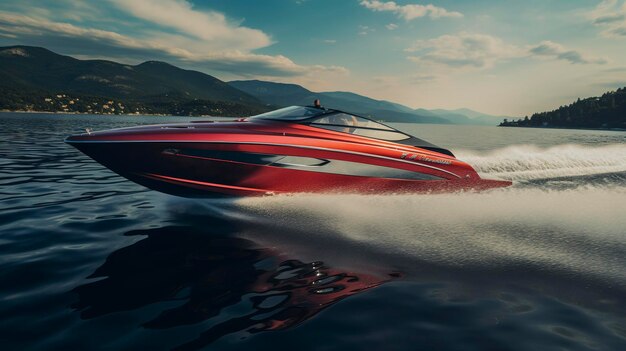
x=92, y=261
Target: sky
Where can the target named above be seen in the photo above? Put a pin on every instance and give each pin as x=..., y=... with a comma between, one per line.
x=503, y=57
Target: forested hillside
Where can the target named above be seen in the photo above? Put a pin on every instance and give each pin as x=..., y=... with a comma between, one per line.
x=606, y=111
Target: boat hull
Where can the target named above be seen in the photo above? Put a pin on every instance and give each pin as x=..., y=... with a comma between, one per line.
x=252, y=168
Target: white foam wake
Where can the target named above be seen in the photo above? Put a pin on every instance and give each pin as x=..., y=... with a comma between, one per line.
x=577, y=231
x=528, y=162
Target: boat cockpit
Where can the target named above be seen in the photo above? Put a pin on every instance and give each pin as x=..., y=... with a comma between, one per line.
x=344, y=122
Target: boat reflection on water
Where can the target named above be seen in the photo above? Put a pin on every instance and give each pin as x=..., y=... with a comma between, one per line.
x=208, y=273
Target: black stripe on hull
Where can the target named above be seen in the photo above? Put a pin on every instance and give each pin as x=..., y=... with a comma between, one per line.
x=304, y=164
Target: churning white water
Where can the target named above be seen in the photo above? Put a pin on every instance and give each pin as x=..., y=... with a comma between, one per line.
x=533, y=233
x=528, y=162
x=577, y=231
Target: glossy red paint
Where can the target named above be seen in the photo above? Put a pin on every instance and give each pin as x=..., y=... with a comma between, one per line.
x=152, y=156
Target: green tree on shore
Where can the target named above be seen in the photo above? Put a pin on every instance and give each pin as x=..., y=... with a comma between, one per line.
x=606, y=111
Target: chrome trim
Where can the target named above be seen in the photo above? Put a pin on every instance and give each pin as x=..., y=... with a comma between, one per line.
x=259, y=143
x=291, y=158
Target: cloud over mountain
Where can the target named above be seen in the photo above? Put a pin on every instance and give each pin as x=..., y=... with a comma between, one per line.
x=170, y=30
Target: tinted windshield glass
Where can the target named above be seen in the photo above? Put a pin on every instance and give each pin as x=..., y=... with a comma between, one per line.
x=291, y=113
x=346, y=123
x=369, y=133
x=344, y=119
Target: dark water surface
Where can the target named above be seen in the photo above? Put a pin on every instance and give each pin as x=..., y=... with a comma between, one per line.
x=89, y=260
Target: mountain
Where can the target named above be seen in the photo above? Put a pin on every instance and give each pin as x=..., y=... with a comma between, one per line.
x=456, y=117
x=37, y=71
x=479, y=116
x=278, y=94
x=281, y=94
x=361, y=101
x=466, y=116
x=425, y=112
x=473, y=114
x=607, y=112
x=37, y=79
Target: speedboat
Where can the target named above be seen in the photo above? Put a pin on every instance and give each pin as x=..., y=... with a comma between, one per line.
x=295, y=149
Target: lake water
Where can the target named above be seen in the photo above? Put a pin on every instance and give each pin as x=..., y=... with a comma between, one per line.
x=91, y=261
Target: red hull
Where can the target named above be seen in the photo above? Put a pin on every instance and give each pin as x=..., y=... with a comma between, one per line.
x=252, y=158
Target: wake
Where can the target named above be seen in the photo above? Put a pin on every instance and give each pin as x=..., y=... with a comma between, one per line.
x=552, y=238
x=529, y=162
x=575, y=231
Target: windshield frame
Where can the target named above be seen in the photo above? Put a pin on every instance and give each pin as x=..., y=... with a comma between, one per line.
x=308, y=121
x=317, y=113
x=288, y=114
x=387, y=129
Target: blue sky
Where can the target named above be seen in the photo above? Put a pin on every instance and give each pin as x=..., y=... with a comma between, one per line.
x=500, y=57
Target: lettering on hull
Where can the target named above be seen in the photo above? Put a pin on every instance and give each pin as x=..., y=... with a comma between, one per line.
x=416, y=157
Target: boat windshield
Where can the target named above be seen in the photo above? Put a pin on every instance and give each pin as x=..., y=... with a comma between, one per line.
x=345, y=119
x=291, y=113
x=347, y=123
x=343, y=122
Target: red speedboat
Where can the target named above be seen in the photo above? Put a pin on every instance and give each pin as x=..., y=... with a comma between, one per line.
x=290, y=150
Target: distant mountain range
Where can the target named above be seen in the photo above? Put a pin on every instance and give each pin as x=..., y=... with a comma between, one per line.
x=29, y=75
x=281, y=94
x=34, y=78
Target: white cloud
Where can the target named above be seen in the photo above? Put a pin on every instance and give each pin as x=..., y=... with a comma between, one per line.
x=19, y=25
x=365, y=30
x=330, y=41
x=392, y=26
x=411, y=11
x=610, y=15
x=610, y=18
x=209, y=26
x=557, y=51
x=192, y=52
x=484, y=51
x=463, y=49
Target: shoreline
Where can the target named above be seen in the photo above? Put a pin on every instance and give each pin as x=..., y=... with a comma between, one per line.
x=109, y=114
x=568, y=128
x=210, y=116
